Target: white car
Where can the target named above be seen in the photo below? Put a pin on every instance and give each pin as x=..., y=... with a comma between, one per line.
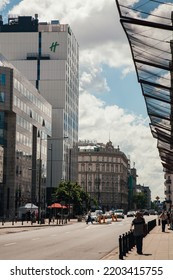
x=131, y=213
x=119, y=213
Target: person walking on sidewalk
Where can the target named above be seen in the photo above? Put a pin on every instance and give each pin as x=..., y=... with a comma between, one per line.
x=138, y=224
x=163, y=218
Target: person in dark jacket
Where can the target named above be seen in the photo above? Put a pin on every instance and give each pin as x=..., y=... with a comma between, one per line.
x=163, y=218
x=89, y=219
x=138, y=226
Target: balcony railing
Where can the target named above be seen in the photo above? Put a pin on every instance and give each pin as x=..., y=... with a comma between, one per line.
x=168, y=181
x=168, y=192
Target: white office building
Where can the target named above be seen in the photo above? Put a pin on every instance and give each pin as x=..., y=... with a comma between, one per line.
x=48, y=55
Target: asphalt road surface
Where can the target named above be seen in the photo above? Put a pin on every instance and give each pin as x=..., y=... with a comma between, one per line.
x=77, y=241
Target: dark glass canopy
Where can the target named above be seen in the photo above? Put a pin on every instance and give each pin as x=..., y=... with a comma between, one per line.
x=149, y=29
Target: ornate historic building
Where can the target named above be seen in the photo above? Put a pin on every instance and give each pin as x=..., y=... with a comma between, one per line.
x=103, y=173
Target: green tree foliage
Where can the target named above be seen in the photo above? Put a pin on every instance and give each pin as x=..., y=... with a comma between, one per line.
x=72, y=194
x=140, y=200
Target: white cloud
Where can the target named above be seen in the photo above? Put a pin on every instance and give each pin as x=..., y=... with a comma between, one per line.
x=130, y=132
x=91, y=79
x=102, y=42
x=3, y=3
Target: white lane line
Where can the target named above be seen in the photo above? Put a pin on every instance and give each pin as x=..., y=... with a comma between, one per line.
x=9, y=244
x=35, y=238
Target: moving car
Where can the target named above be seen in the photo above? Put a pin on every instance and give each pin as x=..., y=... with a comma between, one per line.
x=119, y=213
x=95, y=215
x=130, y=213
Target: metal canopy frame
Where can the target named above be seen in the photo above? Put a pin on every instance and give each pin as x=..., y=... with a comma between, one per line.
x=150, y=37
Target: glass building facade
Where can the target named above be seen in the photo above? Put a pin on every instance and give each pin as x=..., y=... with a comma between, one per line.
x=25, y=124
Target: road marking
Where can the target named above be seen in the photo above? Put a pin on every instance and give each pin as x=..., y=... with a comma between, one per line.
x=9, y=244
x=35, y=238
x=89, y=227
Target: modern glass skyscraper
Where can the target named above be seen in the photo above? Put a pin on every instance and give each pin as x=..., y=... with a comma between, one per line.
x=48, y=55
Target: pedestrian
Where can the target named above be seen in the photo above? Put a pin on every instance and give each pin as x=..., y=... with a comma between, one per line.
x=89, y=218
x=139, y=231
x=163, y=217
x=168, y=218
x=171, y=220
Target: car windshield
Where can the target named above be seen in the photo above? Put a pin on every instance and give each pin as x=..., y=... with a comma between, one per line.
x=119, y=211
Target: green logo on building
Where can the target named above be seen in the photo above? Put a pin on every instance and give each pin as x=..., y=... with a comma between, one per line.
x=53, y=46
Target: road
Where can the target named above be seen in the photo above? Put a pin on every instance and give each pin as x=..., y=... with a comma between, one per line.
x=77, y=241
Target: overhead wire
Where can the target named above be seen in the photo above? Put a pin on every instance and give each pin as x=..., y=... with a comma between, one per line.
x=143, y=12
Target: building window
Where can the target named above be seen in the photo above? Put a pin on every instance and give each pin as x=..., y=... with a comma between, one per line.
x=90, y=167
x=103, y=167
x=2, y=97
x=2, y=79
x=82, y=167
x=97, y=167
x=107, y=167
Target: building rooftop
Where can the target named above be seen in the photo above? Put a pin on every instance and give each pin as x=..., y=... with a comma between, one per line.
x=31, y=24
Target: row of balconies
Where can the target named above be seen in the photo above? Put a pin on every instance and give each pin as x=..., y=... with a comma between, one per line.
x=168, y=192
x=167, y=182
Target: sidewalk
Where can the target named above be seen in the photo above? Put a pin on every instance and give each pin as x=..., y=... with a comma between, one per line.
x=157, y=245
x=8, y=227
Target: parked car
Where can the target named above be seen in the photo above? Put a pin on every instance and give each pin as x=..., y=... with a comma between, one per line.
x=131, y=213
x=152, y=212
x=145, y=212
x=119, y=213
x=108, y=214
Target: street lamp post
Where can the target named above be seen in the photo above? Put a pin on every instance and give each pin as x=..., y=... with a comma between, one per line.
x=86, y=182
x=157, y=199
x=51, y=152
x=98, y=190
x=97, y=183
x=39, y=180
x=51, y=160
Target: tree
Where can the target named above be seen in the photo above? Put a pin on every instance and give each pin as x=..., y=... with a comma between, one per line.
x=72, y=193
x=140, y=200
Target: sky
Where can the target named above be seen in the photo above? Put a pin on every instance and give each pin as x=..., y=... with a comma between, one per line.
x=111, y=105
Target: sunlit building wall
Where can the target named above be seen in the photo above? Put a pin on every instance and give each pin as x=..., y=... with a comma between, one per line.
x=48, y=55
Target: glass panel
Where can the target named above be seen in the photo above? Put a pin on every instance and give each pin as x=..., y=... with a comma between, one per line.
x=2, y=97
x=2, y=79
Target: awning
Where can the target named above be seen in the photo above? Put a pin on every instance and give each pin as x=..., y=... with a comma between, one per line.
x=57, y=205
